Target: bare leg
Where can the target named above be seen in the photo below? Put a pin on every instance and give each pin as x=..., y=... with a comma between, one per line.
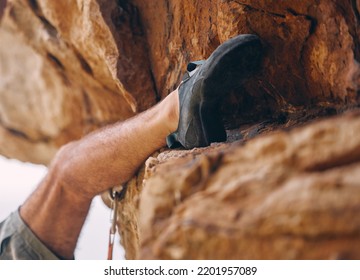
x=56, y=211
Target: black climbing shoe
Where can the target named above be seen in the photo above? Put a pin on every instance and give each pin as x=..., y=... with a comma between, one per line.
x=206, y=83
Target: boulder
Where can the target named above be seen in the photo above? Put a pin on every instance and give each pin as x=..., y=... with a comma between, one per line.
x=288, y=194
x=285, y=183
x=69, y=67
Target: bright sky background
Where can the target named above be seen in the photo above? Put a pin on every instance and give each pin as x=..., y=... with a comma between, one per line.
x=18, y=180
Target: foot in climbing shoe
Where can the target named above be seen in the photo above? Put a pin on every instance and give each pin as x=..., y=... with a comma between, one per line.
x=206, y=83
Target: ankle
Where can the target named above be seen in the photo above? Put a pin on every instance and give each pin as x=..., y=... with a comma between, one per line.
x=172, y=108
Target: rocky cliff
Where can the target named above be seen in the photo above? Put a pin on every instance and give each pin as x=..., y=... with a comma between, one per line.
x=284, y=185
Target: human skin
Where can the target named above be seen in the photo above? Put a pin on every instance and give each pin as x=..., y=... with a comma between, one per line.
x=82, y=169
x=57, y=209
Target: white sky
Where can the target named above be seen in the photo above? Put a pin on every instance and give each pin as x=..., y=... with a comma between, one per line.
x=18, y=180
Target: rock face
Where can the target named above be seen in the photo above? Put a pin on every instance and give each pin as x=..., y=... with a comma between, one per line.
x=68, y=67
x=74, y=66
x=271, y=198
x=285, y=195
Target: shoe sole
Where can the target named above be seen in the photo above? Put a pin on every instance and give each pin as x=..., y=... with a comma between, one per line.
x=231, y=64
x=226, y=68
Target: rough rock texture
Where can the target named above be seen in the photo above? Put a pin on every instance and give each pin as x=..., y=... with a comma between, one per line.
x=74, y=66
x=286, y=195
x=311, y=57
x=68, y=67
